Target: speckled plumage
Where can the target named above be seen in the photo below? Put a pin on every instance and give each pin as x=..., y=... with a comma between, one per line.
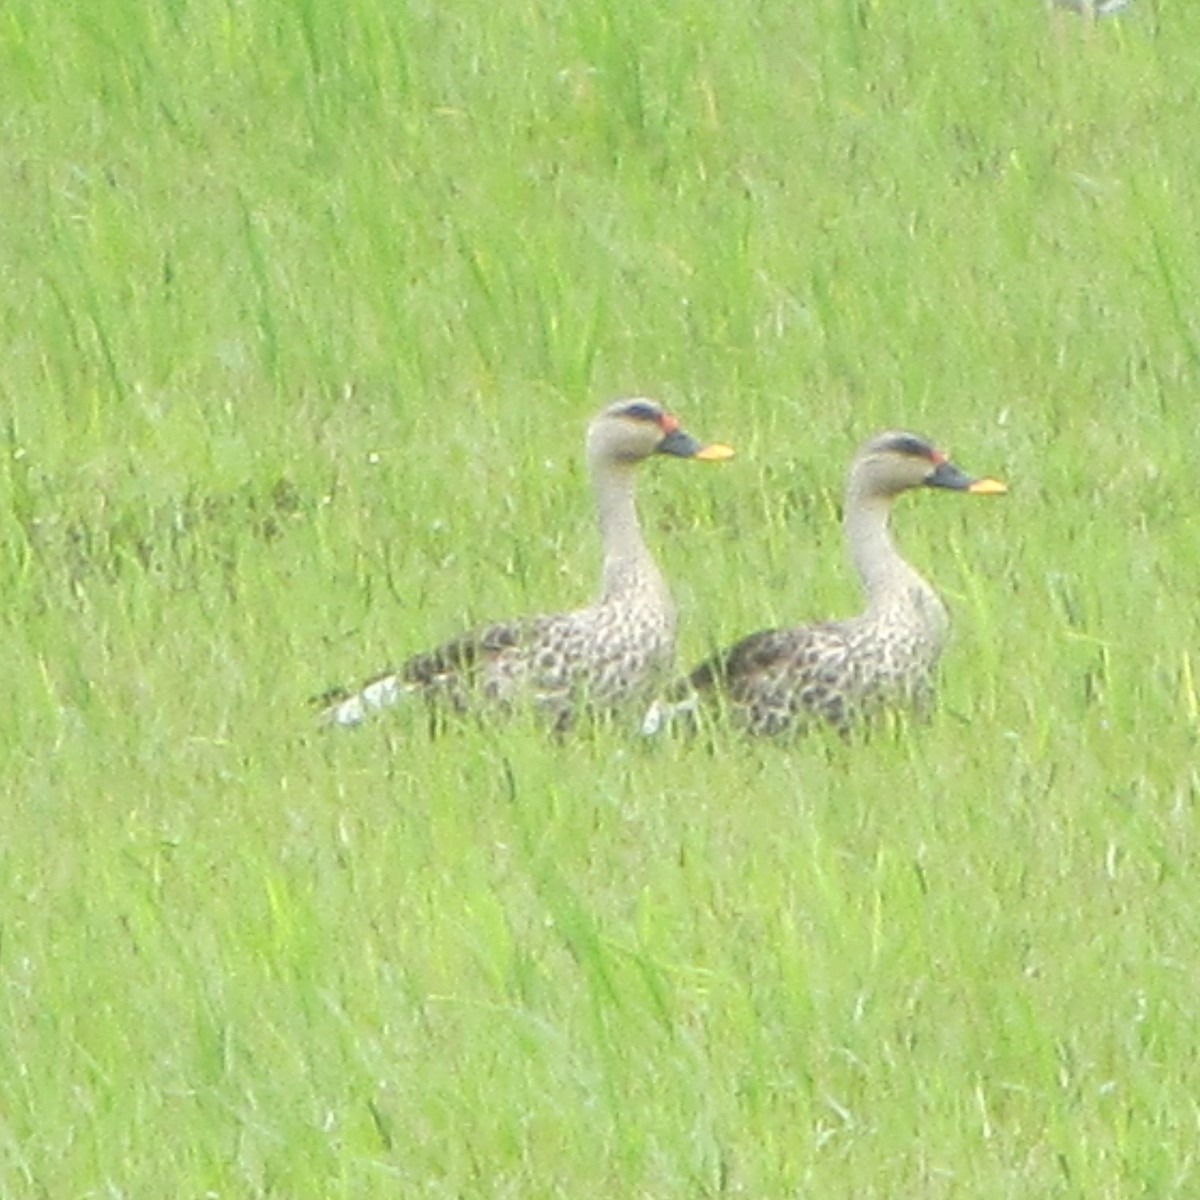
x=844, y=673
x=613, y=653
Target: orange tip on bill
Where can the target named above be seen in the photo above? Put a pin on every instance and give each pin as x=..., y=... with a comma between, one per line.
x=714, y=453
x=988, y=487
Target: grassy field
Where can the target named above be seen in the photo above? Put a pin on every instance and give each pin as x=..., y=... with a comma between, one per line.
x=304, y=308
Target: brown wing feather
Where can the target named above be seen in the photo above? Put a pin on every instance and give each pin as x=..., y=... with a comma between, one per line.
x=775, y=677
x=799, y=649
x=465, y=653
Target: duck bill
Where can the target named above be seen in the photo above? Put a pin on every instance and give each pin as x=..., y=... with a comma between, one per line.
x=683, y=445
x=988, y=487
x=947, y=475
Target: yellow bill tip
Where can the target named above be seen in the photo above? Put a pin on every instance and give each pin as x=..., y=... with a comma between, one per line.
x=988, y=487
x=716, y=452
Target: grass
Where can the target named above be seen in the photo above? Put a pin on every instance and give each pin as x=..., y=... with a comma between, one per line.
x=304, y=308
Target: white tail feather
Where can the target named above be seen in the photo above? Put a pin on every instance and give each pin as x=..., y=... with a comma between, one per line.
x=378, y=694
x=660, y=714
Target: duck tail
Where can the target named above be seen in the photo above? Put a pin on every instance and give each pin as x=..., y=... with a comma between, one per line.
x=339, y=707
x=663, y=713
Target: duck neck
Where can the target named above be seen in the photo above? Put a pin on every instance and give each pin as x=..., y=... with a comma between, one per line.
x=884, y=574
x=628, y=566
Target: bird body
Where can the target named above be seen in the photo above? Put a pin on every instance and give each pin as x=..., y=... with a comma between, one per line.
x=614, y=652
x=844, y=673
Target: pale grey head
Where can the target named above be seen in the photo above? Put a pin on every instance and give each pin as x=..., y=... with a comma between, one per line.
x=628, y=431
x=895, y=461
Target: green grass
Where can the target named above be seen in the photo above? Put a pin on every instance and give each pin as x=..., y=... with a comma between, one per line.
x=304, y=307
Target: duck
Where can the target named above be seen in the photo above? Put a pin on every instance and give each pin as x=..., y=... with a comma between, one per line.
x=844, y=673
x=616, y=652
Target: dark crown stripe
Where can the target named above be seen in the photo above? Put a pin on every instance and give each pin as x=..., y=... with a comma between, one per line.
x=640, y=410
x=907, y=443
